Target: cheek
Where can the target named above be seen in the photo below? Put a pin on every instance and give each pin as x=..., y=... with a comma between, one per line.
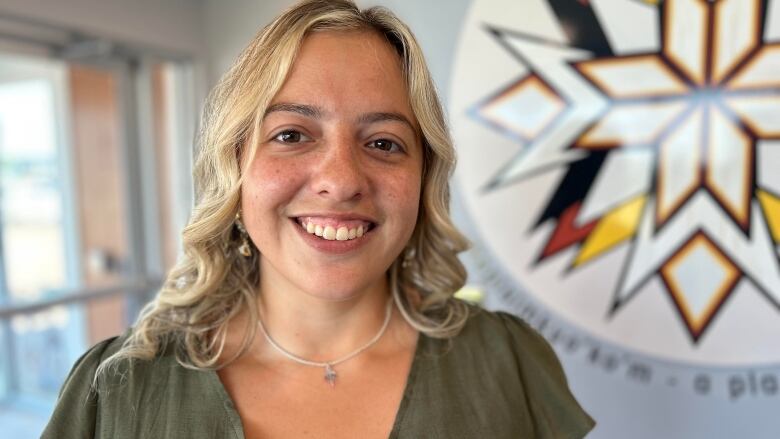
x=269, y=185
x=404, y=197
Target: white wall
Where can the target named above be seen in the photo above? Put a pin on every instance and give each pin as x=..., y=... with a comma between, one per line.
x=173, y=25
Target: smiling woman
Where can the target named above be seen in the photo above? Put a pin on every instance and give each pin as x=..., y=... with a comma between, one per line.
x=322, y=210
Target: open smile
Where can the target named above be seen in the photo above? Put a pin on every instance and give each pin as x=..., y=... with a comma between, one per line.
x=335, y=229
x=333, y=234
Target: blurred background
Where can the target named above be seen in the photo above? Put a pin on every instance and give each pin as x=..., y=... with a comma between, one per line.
x=99, y=106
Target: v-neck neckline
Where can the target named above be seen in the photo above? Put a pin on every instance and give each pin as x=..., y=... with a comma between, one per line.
x=420, y=346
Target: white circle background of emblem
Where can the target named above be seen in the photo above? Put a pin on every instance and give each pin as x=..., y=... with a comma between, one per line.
x=653, y=259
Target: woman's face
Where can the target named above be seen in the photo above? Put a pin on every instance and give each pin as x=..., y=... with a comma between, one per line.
x=338, y=156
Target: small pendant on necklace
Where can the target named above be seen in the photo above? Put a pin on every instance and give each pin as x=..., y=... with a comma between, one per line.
x=330, y=375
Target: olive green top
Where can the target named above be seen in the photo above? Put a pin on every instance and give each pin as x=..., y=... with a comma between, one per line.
x=497, y=379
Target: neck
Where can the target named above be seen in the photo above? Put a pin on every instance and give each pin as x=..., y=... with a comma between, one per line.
x=321, y=329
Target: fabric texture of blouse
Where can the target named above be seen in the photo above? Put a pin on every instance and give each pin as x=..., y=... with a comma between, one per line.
x=497, y=379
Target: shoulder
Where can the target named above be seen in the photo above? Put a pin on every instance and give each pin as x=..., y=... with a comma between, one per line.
x=87, y=374
x=76, y=408
x=506, y=335
x=95, y=400
x=140, y=398
x=482, y=320
x=521, y=359
x=82, y=374
x=97, y=354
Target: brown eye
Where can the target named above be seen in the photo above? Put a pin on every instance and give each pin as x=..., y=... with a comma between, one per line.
x=291, y=136
x=385, y=145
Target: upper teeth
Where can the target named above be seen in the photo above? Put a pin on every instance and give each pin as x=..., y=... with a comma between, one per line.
x=332, y=233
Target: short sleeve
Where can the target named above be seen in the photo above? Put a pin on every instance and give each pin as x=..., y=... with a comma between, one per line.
x=75, y=412
x=555, y=412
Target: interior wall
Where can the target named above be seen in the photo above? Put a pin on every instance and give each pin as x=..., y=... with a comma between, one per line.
x=174, y=25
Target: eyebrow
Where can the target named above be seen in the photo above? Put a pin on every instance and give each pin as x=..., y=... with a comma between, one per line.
x=370, y=118
x=316, y=113
x=303, y=110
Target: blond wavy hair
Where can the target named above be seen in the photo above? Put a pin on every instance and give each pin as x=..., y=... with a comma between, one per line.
x=212, y=282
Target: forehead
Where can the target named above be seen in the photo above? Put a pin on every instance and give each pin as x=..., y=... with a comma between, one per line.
x=347, y=70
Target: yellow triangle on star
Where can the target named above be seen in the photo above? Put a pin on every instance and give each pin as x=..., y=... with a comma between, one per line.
x=771, y=207
x=613, y=228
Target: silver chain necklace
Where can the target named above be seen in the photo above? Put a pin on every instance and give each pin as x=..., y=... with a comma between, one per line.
x=330, y=373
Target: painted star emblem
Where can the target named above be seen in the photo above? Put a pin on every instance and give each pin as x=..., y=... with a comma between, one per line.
x=662, y=152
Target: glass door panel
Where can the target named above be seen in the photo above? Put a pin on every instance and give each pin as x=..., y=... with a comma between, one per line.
x=38, y=242
x=95, y=165
x=31, y=182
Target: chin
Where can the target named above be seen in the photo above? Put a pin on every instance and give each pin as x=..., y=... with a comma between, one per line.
x=329, y=280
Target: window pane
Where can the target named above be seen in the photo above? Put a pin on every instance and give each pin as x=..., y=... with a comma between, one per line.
x=5, y=377
x=30, y=190
x=64, y=216
x=45, y=346
x=37, y=242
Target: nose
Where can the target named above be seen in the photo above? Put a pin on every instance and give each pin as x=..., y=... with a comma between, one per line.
x=340, y=176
